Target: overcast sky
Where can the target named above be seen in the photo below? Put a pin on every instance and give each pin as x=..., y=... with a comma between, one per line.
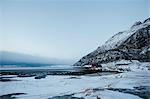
x=65, y=29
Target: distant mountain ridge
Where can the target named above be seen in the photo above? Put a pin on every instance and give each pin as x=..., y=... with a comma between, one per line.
x=133, y=44
x=13, y=58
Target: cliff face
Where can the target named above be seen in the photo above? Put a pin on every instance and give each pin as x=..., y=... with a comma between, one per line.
x=133, y=44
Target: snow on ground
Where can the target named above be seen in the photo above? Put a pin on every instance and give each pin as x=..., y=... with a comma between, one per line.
x=82, y=86
x=126, y=65
x=106, y=94
x=52, y=86
x=126, y=80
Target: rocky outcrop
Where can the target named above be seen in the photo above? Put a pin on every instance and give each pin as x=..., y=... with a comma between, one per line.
x=133, y=44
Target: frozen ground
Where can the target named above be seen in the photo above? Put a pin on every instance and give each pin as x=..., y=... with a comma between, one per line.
x=87, y=86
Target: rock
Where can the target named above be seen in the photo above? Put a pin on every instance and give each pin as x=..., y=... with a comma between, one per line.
x=141, y=91
x=98, y=97
x=11, y=96
x=136, y=24
x=40, y=76
x=147, y=20
x=66, y=97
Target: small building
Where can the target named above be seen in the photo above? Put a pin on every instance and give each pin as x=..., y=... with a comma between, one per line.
x=93, y=66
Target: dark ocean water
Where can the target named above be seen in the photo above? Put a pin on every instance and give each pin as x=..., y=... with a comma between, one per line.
x=53, y=69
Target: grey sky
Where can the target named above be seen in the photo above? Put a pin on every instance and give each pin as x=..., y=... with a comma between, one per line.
x=65, y=29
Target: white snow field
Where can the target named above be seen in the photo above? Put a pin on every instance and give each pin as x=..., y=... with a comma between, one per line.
x=81, y=86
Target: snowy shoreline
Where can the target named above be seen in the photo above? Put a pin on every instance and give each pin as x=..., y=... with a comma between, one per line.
x=79, y=86
x=133, y=83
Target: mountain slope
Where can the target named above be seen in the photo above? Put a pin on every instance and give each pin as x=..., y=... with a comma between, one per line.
x=133, y=44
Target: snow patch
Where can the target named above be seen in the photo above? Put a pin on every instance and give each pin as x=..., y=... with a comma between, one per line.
x=126, y=65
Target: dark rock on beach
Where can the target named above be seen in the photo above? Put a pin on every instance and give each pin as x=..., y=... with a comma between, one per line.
x=7, y=80
x=40, y=76
x=11, y=96
x=66, y=97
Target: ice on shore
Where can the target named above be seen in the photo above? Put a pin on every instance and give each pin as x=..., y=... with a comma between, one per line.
x=80, y=86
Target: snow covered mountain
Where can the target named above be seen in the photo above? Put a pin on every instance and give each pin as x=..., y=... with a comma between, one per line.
x=133, y=44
